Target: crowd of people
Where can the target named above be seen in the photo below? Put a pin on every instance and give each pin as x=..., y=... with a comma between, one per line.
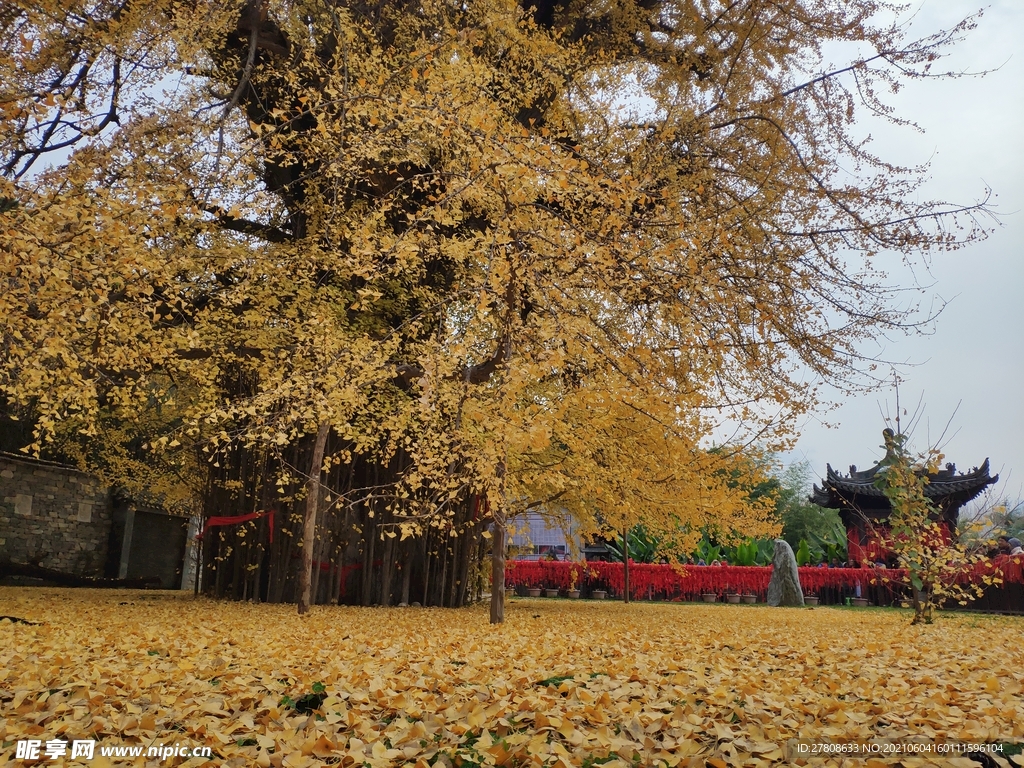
x=1009, y=545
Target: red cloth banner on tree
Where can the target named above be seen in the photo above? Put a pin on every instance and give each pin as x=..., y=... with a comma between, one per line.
x=212, y=522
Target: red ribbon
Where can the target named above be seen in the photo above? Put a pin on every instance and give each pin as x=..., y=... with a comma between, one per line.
x=237, y=519
x=667, y=581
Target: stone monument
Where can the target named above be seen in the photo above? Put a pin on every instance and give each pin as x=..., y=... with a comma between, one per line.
x=784, y=587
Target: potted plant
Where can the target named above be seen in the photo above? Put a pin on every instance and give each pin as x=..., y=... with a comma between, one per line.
x=709, y=597
x=599, y=594
x=749, y=598
x=860, y=602
x=534, y=591
x=573, y=592
x=810, y=599
x=549, y=592
x=732, y=597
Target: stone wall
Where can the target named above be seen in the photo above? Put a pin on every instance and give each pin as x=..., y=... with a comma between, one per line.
x=47, y=509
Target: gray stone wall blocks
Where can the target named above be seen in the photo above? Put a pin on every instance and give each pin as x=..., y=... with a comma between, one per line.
x=53, y=511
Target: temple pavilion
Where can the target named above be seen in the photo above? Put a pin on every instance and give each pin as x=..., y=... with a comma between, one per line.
x=864, y=509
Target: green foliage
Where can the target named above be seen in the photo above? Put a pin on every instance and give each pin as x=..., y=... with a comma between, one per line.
x=934, y=564
x=829, y=547
x=817, y=549
x=707, y=551
x=307, y=704
x=557, y=680
x=1008, y=518
x=804, y=556
x=765, y=551
x=822, y=528
x=744, y=554
x=643, y=547
x=751, y=552
x=765, y=487
x=1010, y=748
x=813, y=523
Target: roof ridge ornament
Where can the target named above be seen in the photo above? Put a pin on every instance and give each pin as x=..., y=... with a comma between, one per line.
x=857, y=494
x=889, y=439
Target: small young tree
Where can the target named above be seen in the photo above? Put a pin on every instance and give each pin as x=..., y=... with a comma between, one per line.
x=935, y=562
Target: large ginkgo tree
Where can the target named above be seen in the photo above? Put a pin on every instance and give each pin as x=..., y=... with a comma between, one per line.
x=401, y=270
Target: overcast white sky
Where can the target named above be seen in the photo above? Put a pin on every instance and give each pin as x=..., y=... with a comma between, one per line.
x=975, y=358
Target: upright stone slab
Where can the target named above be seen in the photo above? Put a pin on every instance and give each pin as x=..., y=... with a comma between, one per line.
x=784, y=587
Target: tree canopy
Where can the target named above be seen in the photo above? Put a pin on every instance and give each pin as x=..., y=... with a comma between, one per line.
x=513, y=250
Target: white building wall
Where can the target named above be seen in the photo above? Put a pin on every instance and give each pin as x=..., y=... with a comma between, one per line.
x=536, y=534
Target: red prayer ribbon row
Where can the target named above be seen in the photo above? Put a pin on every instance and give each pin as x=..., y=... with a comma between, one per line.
x=669, y=580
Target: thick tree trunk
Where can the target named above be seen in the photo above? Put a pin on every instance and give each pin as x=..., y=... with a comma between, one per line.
x=433, y=567
x=199, y=565
x=498, y=551
x=498, y=569
x=922, y=606
x=309, y=527
x=625, y=564
x=426, y=568
x=407, y=557
x=443, y=583
x=466, y=544
x=318, y=560
x=369, y=548
x=387, y=572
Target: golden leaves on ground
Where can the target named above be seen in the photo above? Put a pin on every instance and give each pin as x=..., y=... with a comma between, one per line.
x=558, y=684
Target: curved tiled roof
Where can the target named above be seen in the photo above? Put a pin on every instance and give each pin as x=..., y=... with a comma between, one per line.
x=943, y=484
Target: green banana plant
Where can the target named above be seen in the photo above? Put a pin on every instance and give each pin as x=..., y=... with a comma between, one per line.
x=803, y=553
x=832, y=545
x=744, y=554
x=707, y=552
x=643, y=547
x=765, y=551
